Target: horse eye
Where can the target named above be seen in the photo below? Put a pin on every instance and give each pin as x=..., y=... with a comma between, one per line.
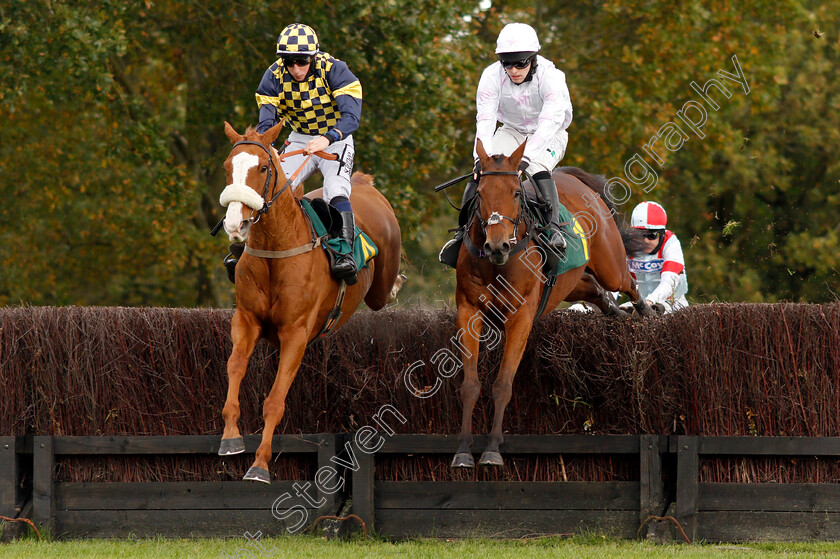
x=517, y=194
x=264, y=169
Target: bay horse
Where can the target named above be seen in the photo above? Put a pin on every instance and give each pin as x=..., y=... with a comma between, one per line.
x=284, y=290
x=493, y=286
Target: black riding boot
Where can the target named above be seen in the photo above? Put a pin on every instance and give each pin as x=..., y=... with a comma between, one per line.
x=449, y=252
x=345, y=265
x=231, y=259
x=549, y=193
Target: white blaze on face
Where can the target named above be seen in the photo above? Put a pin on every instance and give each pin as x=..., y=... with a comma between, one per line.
x=236, y=228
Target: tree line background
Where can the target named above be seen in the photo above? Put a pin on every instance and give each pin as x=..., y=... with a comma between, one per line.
x=112, y=141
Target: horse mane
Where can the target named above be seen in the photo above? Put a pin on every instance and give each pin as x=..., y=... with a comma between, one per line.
x=632, y=242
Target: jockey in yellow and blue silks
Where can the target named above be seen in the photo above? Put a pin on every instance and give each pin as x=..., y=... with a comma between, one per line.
x=321, y=100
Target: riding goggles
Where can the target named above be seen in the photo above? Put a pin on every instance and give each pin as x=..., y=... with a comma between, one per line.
x=651, y=235
x=289, y=61
x=518, y=64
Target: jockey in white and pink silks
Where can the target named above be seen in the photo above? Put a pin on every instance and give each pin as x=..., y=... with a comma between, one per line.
x=659, y=269
x=528, y=95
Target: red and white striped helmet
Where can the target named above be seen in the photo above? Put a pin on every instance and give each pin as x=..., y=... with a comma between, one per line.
x=648, y=215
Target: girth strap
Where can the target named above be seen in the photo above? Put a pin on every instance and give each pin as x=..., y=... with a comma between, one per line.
x=549, y=287
x=334, y=315
x=283, y=253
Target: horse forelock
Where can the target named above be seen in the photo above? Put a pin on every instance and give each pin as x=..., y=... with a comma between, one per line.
x=499, y=159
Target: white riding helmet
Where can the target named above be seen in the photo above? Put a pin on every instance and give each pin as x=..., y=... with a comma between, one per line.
x=517, y=37
x=648, y=215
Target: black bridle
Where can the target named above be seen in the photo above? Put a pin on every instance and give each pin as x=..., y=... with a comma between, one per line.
x=496, y=217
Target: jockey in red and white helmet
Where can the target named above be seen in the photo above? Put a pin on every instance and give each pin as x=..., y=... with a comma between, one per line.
x=527, y=93
x=659, y=269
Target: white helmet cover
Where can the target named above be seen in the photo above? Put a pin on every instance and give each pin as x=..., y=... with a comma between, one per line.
x=517, y=37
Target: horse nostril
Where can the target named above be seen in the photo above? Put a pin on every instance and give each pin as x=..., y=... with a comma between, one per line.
x=505, y=247
x=487, y=248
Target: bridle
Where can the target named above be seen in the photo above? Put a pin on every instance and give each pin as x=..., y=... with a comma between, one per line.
x=272, y=171
x=496, y=217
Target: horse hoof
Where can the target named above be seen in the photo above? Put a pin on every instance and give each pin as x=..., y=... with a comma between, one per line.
x=232, y=446
x=257, y=474
x=491, y=458
x=462, y=460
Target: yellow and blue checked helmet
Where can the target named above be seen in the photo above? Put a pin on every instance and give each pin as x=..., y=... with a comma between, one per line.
x=297, y=38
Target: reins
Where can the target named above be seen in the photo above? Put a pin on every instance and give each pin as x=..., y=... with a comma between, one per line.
x=268, y=202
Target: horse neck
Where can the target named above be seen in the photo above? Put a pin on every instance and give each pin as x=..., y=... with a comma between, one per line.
x=281, y=228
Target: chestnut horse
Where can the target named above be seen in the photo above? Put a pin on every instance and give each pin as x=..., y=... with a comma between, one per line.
x=284, y=290
x=495, y=286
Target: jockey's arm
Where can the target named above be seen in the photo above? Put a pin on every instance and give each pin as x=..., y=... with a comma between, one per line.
x=487, y=108
x=671, y=269
x=665, y=290
x=556, y=113
x=268, y=98
x=347, y=92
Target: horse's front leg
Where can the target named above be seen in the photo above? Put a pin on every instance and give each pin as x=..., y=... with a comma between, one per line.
x=245, y=330
x=517, y=329
x=292, y=346
x=642, y=308
x=469, y=323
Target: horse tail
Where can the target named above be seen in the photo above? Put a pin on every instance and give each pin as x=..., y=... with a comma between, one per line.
x=598, y=183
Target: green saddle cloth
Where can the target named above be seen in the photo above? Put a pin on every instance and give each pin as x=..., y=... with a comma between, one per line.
x=363, y=248
x=577, y=245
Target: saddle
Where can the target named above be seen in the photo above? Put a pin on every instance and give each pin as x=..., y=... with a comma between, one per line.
x=326, y=222
x=329, y=216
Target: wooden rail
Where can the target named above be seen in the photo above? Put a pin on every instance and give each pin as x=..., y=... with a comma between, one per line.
x=707, y=511
x=755, y=511
x=511, y=509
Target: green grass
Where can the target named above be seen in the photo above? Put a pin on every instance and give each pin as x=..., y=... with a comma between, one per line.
x=312, y=547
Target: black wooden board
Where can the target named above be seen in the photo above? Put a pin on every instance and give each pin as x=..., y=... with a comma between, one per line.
x=176, y=444
x=536, y=496
x=777, y=497
x=516, y=444
x=770, y=446
x=738, y=526
x=175, y=495
x=175, y=523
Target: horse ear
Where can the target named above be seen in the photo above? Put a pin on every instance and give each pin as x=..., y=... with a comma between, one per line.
x=232, y=134
x=516, y=156
x=272, y=133
x=479, y=149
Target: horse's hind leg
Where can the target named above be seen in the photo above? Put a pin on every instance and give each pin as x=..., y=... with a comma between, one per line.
x=517, y=330
x=245, y=331
x=471, y=386
x=292, y=346
x=588, y=289
x=387, y=279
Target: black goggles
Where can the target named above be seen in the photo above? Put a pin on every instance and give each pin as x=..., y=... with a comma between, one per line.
x=289, y=61
x=518, y=64
x=651, y=235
